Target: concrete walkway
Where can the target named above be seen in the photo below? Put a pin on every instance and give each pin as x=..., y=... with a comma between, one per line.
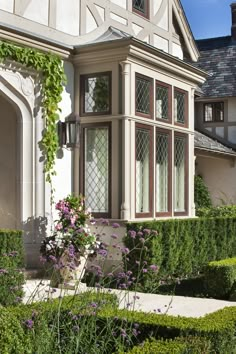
x=38, y=290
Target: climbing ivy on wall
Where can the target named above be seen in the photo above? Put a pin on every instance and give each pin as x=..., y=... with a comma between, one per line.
x=51, y=69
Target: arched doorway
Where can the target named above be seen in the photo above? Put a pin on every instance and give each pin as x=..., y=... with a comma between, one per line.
x=9, y=172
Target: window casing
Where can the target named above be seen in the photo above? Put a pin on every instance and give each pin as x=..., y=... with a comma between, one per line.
x=163, y=172
x=180, y=107
x=143, y=96
x=163, y=102
x=95, y=96
x=141, y=7
x=95, y=178
x=144, y=170
x=214, y=112
x=180, y=174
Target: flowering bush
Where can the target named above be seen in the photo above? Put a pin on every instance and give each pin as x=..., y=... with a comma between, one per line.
x=71, y=232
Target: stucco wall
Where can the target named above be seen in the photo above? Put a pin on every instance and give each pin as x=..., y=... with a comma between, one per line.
x=80, y=21
x=219, y=175
x=8, y=167
x=225, y=131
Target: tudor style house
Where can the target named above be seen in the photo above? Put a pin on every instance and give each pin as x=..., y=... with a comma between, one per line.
x=129, y=84
x=215, y=112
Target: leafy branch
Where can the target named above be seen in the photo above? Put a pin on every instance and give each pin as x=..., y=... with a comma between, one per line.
x=53, y=77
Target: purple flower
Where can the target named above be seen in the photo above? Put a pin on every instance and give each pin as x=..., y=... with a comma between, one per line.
x=145, y=270
x=43, y=260
x=125, y=250
x=29, y=324
x=115, y=225
x=94, y=305
x=52, y=258
x=114, y=236
x=102, y=253
x=147, y=231
x=132, y=234
x=153, y=267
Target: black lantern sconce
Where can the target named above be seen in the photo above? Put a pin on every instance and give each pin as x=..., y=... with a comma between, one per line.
x=69, y=131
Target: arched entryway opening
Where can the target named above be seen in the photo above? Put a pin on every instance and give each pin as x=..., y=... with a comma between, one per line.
x=9, y=166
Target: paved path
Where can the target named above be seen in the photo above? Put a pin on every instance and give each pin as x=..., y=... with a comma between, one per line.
x=36, y=290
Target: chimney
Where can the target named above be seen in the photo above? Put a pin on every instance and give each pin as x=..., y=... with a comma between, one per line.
x=233, y=28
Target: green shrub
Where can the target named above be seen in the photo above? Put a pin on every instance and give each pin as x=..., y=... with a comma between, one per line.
x=193, y=345
x=218, y=211
x=11, y=260
x=53, y=327
x=217, y=328
x=159, y=347
x=180, y=247
x=12, y=241
x=220, y=277
x=12, y=338
x=201, y=194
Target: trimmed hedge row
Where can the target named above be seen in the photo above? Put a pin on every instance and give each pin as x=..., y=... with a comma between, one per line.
x=181, y=247
x=11, y=260
x=216, y=212
x=218, y=328
x=190, y=345
x=220, y=277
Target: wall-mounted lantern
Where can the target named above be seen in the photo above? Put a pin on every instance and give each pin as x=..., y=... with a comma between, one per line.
x=69, y=131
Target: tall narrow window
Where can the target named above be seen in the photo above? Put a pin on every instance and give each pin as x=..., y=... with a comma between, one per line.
x=141, y=7
x=181, y=107
x=96, y=94
x=163, y=175
x=180, y=157
x=143, y=97
x=163, y=101
x=96, y=169
x=143, y=170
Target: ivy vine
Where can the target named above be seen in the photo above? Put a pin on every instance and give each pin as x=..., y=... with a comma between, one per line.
x=53, y=77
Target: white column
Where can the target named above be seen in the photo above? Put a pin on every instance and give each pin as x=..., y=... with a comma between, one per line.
x=126, y=161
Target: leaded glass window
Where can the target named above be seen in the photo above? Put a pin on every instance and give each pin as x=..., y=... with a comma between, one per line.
x=141, y=6
x=162, y=172
x=162, y=102
x=143, y=95
x=95, y=90
x=142, y=170
x=179, y=107
x=96, y=169
x=179, y=163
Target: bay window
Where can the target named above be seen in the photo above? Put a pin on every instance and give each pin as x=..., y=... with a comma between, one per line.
x=163, y=172
x=163, y=101
x=180, y=174
x=144, y=96
x=95, y=94
x=180, y=107
x=96, y=168
x=144, y=173
x=141, y=7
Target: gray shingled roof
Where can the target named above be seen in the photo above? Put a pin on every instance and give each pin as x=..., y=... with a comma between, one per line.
x=204, y=142
x=217, y=57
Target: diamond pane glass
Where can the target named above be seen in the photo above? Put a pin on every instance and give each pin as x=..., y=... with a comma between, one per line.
x=139, y=5
x=162, y=176
x=179, y=174
x=97, y=169
x=179, y=107
x=143, y=95
x=97, y=97
x=162, y=102
x=142, y=170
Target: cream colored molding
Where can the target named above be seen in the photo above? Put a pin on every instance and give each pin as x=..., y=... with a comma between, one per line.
x=187, y=34
x=21, y=40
